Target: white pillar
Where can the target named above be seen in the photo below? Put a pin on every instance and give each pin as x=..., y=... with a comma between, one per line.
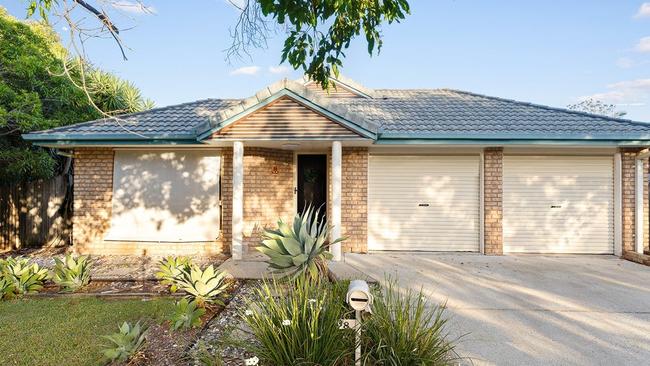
x=337, y=157
x=481, y=203
x=638, y=205
x=237, y=200
x=618, y=205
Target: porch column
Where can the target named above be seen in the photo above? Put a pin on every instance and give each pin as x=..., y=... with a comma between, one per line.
x=237, y=249
x=638, y=205
x=336, y=198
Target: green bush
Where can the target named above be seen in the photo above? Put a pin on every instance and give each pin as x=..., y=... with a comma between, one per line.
x=6, y=288
x=124, y=343
x=187, y=314
x=298, y=323
x=204, y=286
x=300, y=248
x=405, y=330
x=71, y=274
x=25, y=277
x=170, y=269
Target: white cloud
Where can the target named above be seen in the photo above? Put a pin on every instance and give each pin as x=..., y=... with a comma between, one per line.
x=133, y=7
x=629, y=92
x=644, y=11
x=246, y=70
x=643, y=45
x=625, y=63
x=278, y=69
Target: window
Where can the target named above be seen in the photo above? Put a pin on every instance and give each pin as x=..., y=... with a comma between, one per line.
x=165, y=196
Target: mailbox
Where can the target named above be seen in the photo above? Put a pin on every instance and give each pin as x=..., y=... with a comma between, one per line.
x=359, y=297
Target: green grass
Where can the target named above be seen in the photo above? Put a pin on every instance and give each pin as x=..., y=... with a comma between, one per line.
x=67, y=331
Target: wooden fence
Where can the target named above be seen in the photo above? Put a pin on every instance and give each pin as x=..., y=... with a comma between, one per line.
x=33, y=214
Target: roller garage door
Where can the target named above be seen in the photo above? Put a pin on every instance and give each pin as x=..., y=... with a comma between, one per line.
x=423, y=203
x=558, y=204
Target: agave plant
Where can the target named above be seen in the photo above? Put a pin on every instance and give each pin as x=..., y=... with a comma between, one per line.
x=187, y=314
x=72, y=273
x=6, y=288
x=124, y=343
x=204, y=286
x=300, y=248
x=170, y=269
x=26, y=277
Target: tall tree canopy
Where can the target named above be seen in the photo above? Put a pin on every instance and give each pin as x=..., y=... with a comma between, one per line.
x=35, y=94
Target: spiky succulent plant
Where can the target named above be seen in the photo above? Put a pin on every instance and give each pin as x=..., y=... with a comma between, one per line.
x=187, y=314
x=6, y=288
x=299, y=248
x=170, y=270
x=25, y=277
x=124, y=343
x=71, y=273
x=205, y=286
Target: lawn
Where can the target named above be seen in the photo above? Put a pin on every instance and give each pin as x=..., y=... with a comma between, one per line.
x=67, y=331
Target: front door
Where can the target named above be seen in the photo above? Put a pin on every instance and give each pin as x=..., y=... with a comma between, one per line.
x=312, y=182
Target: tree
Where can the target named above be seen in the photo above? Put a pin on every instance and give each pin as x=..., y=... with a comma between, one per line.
x=36, y=94
x=318, y=32
x=595, y=106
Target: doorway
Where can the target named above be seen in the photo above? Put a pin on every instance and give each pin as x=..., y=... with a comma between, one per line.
x=312, y=182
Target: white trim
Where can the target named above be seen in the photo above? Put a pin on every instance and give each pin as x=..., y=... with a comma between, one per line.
x=638, y=206
x=481, y=205
x=618, y=205
x=337, y=158
x=237, y=200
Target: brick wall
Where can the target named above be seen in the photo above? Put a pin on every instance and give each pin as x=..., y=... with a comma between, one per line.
x=628, y=193
x=354, y=199
x=268, y=190
x=93, y=191
x=493, y=200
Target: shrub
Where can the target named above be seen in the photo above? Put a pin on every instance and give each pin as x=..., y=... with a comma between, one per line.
x=300, y=248
x=204, y=286
x=6, y=288
x=299, y=324
x=405, y=330
x=25, y=277
x=71, y=274
x=124, y=343
x=169, y=271
x=187, y=314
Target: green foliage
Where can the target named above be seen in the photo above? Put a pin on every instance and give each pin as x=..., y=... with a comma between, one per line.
x=206, y=358
x=25, y=277
x=595, y=106
x=35, y=93
x=405, y=330
x=298, y=323
x=300, y=248
x=320, y=31
x=71, y=274
x=6, y=288
x=204, y=286
x=124, y=343
x=187, y=314
x=170, y=269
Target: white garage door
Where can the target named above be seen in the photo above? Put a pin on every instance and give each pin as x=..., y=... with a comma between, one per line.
x=428, y=203
x=557, y=204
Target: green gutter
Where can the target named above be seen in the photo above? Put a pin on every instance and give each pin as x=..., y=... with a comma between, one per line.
x=498, y=142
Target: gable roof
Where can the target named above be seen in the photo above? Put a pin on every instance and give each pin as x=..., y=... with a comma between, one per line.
x=385, y=115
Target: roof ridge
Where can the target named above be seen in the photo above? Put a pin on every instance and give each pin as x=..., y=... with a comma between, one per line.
x=559, y=109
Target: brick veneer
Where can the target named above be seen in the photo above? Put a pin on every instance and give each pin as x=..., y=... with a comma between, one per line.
x=93, y=191
x=268, y=190
x=628, y=193
x=493, y=200
x=354, y=199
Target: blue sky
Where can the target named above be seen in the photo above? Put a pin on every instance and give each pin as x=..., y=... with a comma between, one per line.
x=552, y=52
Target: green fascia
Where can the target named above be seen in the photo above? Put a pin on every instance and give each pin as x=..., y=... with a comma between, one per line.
x=512, y=136
x=572, y=142
x=286, y=92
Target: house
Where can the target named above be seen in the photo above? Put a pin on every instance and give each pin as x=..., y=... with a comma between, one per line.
x=411, y=170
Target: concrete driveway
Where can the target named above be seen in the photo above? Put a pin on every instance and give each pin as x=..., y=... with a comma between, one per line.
x=532, y=310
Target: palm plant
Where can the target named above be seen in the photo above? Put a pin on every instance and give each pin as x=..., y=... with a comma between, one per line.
x=124, y=343
x=300, y=248
x=25, y=277
x=204, y=286
x=187, y=314
x=170, y=269
x=71, y=274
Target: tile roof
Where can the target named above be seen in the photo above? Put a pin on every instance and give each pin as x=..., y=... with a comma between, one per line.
x=424, y=113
